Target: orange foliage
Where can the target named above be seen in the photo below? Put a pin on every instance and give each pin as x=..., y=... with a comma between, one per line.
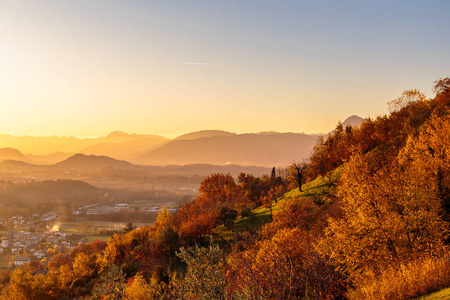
x=387, y=133
x=197, y=227
x=93, y=247
x=405, y=281
x=295, y=213
x=285, y=266
x=391, y=214
x=59, y=260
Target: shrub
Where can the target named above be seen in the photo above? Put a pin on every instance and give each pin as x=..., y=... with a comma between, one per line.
x=413, y=279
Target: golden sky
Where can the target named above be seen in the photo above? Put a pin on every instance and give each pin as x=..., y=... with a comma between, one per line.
x=86, y=68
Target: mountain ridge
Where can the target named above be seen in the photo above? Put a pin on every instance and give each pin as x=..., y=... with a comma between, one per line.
x=278, y=149
x=216, y=147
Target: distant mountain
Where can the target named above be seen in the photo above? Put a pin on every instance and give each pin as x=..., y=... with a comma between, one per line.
x=15, y=164
x=14, y=154
x=120, y=136
x=269, y=149
x=51, y=144
x=31, y=194
x=128, y=149
x=203, y=134
x=91, y=162
x=354, y=121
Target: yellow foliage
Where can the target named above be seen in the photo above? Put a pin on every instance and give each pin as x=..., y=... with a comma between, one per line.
x=405, y=281
x=164, y=219
x=392, y=211
x=139, y=289
x=276, y=268
x=82, y=266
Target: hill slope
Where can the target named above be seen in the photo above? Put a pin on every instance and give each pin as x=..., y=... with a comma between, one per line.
x=51, y=144
x=353, y=121
x=90, y=162
x=270, y=149
x=14, y=154
x=127, y=149
x=203, y=134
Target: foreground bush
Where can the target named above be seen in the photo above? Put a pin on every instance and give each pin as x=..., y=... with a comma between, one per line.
x=420, y=277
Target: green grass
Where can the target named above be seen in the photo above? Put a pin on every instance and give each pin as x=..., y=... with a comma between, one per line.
x=316, y=190
x=242, y=224
x=442, y=294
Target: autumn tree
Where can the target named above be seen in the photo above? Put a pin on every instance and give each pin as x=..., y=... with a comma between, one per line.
x=83, y=266
x=391, y=214
x=297, y=173
x=110, y=285
x=139, y=289
x=430, y=151
x=217, y=193
x=320, y=164
x=299, y=212
x=252, y=189
x=219, y=190
x=285, y=266
x=442, y=87
x=408, y=97
x=205, y=277
x=26, y=285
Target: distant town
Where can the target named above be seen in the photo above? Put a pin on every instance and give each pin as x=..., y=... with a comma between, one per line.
x=39, y=237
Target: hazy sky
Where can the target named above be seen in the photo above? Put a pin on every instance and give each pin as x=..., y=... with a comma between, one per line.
x=85, y=68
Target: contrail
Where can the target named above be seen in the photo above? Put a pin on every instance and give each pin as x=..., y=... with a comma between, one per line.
x=200, y=64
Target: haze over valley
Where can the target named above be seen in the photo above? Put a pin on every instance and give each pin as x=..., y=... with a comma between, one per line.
x=149, y=168
x=216, y=149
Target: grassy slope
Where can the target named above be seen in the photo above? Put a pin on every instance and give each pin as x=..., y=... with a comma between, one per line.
x=317, y=189
x=442, y=294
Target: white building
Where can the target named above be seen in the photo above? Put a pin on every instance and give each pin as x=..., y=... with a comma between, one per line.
x=5, y=243
x=21, y=260
x=39, y=254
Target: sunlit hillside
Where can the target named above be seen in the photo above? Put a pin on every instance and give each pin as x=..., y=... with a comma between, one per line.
x=366, y=217
x=229, y=150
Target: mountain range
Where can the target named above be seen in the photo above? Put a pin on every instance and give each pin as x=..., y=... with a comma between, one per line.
x=203, y=147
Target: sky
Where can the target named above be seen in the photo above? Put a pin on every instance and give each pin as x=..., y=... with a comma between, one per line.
x=86, y=68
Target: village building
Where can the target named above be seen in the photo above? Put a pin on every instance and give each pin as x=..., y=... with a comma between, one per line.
x=5, y=243
x=21, y=260
x=39, y=254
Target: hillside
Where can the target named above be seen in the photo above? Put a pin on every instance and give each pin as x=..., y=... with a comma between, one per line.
x=369, y=224
x=14, y=154
x=203, y=134
x=40, y=195
x=91, y=162
x=202, y=147
x=126, y=150
x=51, y=144
x=354, y=121
x=271, y=149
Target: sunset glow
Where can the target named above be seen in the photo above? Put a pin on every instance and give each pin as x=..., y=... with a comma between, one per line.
x=86, y=68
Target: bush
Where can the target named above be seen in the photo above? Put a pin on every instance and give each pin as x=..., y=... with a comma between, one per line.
x=409, y=280
x=246, y=212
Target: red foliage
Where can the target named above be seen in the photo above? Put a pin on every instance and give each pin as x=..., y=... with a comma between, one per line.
x=93, y=247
